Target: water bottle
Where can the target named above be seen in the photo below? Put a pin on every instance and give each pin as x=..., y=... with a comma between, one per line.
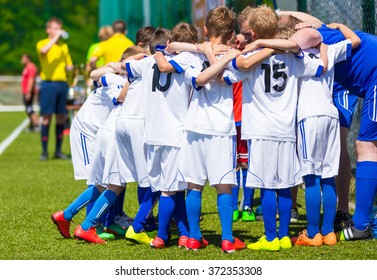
x=64, y=35
x=373, y=221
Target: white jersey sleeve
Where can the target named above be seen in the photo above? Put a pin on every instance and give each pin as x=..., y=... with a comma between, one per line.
x=342, y=50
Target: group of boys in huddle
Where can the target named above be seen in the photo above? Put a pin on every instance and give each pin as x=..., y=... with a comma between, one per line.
x=163, y=117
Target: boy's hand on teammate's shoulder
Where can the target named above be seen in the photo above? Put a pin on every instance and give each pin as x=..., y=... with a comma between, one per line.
x=220, y=49
x=233, y=53
x=334, y=25
x=205, y=47
x=303, y=25
x=251, y=47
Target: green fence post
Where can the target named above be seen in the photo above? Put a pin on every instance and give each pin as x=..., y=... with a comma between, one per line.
x=369, y=21
x=301, y=6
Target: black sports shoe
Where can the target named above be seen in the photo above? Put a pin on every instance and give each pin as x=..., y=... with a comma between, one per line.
x=350, y=233
x=44, y=156
x=60, y=155
x=342, y=220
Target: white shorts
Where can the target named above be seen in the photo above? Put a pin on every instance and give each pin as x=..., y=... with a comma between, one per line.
x=208, y=157
x=105, y=169
x=319, y=146
x=82, y=153
x=131, y=151
x=273, y=164
x=163, y=171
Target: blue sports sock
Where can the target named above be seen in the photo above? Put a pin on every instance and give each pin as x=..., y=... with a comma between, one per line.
x=119, y=203
x=145, y=208
x=89, y=195
x=166, y=209
x=268, y=202
x=180, y=214
x=329, y=205
x=108, y=217
x=285, y=207
x=89, y=206
x=140, y=193
x=248, y=193
x=366, y=188
x=105, y=200
x=225, y=209
x=235, y=191
x=151, y=222
x=44, y=137
x=313, y=203
x=244, y=175
x=193, y=210
x=59, y=130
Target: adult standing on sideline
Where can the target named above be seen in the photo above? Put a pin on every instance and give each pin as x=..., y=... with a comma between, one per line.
x=29, y=74
x=55, y=61
x=112, y=48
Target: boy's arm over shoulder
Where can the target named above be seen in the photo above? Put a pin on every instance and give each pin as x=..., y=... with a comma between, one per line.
x=313, y=21
x=249, y=62
x=211, y=72
x=307, y=38
x=163, y=65
x=347, y=33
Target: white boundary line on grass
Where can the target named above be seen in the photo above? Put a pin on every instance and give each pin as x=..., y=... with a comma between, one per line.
x=9, y=140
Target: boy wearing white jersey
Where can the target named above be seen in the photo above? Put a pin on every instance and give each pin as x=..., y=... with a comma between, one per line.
x=167, y=99
x=131, y=152
x=84, y=128
x=319, y=142
x=268, y=123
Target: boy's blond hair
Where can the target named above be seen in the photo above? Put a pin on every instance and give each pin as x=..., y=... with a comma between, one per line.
x=243, y=16
x=130, y=51
x=184, y=32
x=263, y=21
x=284, y=33
x=220, y=22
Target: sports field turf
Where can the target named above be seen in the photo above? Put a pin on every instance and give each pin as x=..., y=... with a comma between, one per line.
x=31, y=190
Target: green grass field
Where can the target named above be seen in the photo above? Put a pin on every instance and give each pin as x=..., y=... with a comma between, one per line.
x=32, y=190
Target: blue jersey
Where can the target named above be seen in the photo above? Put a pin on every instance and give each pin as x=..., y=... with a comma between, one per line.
x=358, y=74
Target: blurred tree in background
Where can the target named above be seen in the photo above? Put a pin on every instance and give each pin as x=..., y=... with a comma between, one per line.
x=22, y=24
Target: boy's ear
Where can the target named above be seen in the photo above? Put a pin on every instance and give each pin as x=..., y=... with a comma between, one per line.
x=253, y=35
x=205, y=30
x=167, y=42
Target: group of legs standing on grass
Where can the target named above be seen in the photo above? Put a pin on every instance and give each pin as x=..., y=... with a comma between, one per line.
x=273, y=165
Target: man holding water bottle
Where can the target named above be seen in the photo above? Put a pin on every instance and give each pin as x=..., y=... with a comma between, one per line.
x=55, y=61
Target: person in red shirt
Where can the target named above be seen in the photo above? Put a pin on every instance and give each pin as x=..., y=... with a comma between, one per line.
x=28, y=86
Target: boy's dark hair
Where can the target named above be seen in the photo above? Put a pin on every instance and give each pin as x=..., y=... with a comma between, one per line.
x=144, y=34
x=119, y=26
x=54, y=19
x=160, y=37
x=220, y=22
x=184, y=32
x=28, y=56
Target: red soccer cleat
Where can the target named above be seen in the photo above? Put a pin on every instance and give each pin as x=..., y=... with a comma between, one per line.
x=182, y=241
x=157, y=243
x=62, y=224
x=87, y=235
x=229, y=247
x=194, y=244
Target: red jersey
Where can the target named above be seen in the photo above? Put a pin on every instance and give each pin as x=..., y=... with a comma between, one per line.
x=237, y=102
x=29, y=72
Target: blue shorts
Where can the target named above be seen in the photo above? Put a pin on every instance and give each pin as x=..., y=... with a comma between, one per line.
x=345, y=103
x=53, y=97
x=368, y=117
